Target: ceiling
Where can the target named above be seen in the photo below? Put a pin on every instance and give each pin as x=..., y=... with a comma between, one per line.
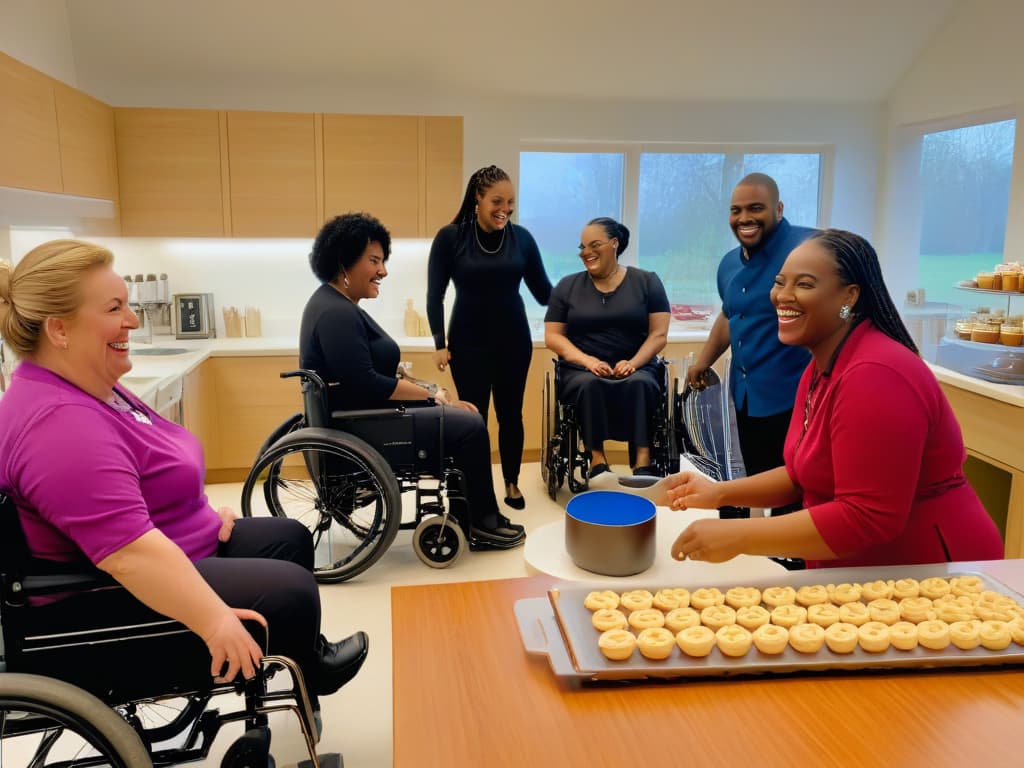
x=608, y=50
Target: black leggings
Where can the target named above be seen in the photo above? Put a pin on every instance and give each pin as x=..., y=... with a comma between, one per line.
x=499, y=369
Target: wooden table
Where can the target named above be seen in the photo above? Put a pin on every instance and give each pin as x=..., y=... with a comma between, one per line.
x=467, y=694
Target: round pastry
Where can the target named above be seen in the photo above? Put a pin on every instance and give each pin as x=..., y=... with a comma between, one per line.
x=965, y=634
x=733, y=640
x=646, y=618
x=637, y=600
x=903, y=635
x=933, y=634
x=916, y=609
x=903, y=588
x=993, y=611
x=995, y=635
x=717, y=616
x=617, y=644
x=873, y=636
x=696, y=641
x=877, y=590
x=884, y=610
x=776, y=596
x=854, y=613
x=743, y=597
x=770, y=638
x=951, y=608
x=806, y=638
x=841, y=637
x=608, y=618
x=702, y=598
x=752, y=617
x=843, y=593
x=823, y=614
x=1017, y=630
x=811, y=595
x=934, y=587
x=681, y=618
x=670, y=599
x=789, y=615
x=656, y=643
x=971, y=586
x=607, y=599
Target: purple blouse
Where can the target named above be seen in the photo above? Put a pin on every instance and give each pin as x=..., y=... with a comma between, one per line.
x=89, y=478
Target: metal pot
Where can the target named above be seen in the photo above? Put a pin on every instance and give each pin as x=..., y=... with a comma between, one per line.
x=611, y=533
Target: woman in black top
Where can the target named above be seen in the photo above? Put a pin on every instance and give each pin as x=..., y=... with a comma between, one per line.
x=489, y=347
x=608, y=323
x=343, y=344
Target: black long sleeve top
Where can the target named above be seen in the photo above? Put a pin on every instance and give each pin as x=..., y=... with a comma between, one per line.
x=487, y=301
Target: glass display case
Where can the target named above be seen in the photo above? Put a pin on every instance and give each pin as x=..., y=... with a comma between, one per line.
x=985, y=340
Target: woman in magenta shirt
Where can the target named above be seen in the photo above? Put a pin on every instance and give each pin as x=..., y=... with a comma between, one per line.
x=873, y=450
x=98, y=476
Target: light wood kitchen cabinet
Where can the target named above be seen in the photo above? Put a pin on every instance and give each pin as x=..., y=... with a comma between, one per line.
x=29, y=150
x=169, y=172
x=272, y=161
x=88, y=156
x=442, y=172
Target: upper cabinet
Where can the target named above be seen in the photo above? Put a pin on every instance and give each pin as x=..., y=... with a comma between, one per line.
x=442, y=187
x=169, y=167
x=87, y=154
x=29, y=151
x=273, y=173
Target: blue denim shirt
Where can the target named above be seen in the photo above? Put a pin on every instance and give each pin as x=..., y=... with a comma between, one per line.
x=765, y=372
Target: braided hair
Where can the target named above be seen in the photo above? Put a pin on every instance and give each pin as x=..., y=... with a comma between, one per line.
x=857, y=263
x=613, y=228
x=481, y=180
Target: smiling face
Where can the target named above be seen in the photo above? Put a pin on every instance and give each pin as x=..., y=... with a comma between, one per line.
x=754, y=214
x=494, y=206
x=365, y=275
x=597, y=251
x=96, y=355
x=808, y=294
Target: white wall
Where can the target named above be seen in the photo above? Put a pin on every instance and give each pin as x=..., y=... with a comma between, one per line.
x=971, y=71
x=36, y=32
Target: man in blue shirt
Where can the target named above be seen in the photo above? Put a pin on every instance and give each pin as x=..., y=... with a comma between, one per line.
x=764, y=372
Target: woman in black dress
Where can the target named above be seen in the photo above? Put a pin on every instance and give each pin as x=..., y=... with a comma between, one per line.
x=343, y=344
x=488, y=347
x=608, y=323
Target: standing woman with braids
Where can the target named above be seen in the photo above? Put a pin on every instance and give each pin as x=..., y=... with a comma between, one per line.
x=873, y=447
x=488, y=347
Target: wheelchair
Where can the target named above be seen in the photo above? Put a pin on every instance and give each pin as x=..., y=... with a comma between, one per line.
x=343, y=473
x=563, y=455
x=71, y=693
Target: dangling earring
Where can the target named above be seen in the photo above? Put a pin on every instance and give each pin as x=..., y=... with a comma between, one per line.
x=476, y=209
x=844, y=312
x=344, y=279
x=64, y=345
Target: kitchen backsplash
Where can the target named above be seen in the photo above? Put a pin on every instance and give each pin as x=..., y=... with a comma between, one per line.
x=272, y=275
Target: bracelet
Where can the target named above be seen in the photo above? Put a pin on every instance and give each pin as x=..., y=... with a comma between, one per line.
x=431, y=388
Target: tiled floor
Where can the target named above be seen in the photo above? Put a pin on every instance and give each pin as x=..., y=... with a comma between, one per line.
x=357, y=720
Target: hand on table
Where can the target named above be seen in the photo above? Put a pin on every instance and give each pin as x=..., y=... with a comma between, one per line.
x=712, y=541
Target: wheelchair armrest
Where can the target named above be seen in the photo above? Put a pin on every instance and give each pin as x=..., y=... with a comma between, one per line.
x=50, y=583
x=398, y=409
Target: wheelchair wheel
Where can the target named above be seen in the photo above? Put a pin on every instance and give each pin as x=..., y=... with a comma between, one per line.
x=46, y=722
x=337, y=486
x=438, y=542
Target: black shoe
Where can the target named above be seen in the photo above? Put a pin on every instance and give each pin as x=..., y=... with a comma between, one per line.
x=596, y=470
x=505, y=533
x=516, y=502
x=339, y=662
x=645, y=471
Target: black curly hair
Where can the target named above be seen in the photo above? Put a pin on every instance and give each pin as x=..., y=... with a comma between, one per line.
x=343, y=240
x=613, y=228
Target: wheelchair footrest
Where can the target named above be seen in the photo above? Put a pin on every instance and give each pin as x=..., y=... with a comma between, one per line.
x=250, y=750
x=330, y=760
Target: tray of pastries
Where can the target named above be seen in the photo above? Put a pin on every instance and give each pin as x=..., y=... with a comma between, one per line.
x=851, y=618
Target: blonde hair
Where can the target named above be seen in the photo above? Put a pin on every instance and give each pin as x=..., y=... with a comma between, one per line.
x=45, y=283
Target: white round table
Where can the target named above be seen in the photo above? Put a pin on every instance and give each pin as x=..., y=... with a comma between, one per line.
x=545, y=554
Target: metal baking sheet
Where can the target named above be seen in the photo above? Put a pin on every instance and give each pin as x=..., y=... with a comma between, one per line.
x=568, y=638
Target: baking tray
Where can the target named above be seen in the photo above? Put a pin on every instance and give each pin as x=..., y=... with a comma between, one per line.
x=559, y=626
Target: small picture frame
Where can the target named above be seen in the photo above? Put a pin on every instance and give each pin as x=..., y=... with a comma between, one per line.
x=193, y=316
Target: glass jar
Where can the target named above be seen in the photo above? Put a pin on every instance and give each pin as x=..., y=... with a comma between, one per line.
x=1011, y=335
x=986, y=280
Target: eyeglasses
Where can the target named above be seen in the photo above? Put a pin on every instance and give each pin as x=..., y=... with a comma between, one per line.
x=592, y=246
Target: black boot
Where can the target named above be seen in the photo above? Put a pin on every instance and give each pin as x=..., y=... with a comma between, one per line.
x=339, y=662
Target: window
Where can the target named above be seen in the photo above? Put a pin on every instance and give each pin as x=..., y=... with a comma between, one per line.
x=680, y=228
x=965, y=194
